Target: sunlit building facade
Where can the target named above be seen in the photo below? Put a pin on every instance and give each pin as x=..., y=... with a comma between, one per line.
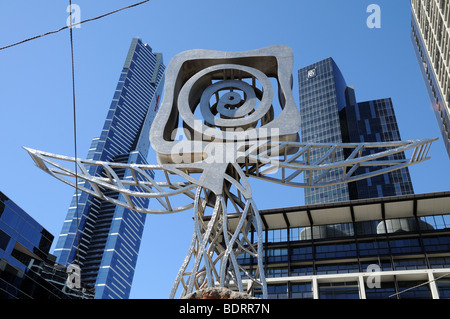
x=430, y=35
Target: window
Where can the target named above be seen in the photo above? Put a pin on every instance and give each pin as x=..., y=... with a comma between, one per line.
x=380, y=191
x=409, y=264
x=294, y=233
x=433, y=244
x=366, y=228
x=333, y=231
x=337, y=268
x=4, y=240
x=439, y=262
x=373, y=248
x=435, y=222
x=274, y=272
x=277, y=235
x=413, y=290
x=339, y=290
x=301, y=270
x=275, y=255
x=443, y=287
x=335, y=251
x=273, y=292
x=405, y=246
x=301, y=291
x=386, y=289
x=301, y=253
x=384, y=264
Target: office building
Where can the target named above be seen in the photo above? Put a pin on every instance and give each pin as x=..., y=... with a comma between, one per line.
x=322, y=95
x=27, y=269
x=394, y=247
x=373, y=121
x=100, y=237
x=330, y=248
x=430, y=35
x=330, y=114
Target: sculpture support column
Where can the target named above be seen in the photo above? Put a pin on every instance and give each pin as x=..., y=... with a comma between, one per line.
x=215, y=246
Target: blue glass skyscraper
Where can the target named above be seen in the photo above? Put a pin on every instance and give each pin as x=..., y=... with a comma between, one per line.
x=374, y=121
x=104, y=240
x=322, y=95
x=331, y=114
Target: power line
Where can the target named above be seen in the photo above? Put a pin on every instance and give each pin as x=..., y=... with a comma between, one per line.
x=74, y=132
x=73, y=25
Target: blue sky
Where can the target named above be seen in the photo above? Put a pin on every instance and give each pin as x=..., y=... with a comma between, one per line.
x=36, y=96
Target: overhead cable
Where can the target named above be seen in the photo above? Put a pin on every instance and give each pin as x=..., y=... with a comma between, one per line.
x=73, y=25
x=74, y=132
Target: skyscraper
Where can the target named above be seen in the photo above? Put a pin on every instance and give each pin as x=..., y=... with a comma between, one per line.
x=102, y=238
x=373, y=121
x=322, y=95
x=331, y=114
x=430, y=35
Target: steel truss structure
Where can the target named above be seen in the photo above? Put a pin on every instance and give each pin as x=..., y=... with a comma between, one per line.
x=139, y=183
x=214, y=249
x=224, y=87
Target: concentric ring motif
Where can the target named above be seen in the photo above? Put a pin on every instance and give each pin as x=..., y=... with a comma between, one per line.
x=240, y=117
x=225, y=97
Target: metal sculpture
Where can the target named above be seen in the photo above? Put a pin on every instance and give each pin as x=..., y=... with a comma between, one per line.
x=233, y=128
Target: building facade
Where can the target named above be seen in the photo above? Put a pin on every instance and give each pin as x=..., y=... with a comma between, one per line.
x=385, y=248
x=430, y=35
x=331, y=114
x=373, y=121
x=27, y=269
x=362, y=240
x=100, y=237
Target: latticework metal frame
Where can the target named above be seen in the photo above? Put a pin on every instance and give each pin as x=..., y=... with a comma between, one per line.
x=139, y=183
x=213, y=250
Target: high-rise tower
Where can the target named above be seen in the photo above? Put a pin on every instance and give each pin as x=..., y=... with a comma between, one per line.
x=322, y=95
x=331, y=114
x=430, y=34
x=107, y=242
x=374, y=121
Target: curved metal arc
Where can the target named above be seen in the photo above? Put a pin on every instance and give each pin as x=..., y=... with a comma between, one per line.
x=420, y=147
x=46, y=161
x=265, y=158
x=329, y=183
